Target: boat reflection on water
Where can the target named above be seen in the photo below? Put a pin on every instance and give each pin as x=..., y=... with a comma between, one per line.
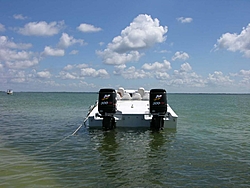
x=127, y=154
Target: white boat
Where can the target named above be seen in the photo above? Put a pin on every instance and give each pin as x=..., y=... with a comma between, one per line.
x=9, y=92
x=131, y=108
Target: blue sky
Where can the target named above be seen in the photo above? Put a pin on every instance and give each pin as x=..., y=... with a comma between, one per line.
x=182, y=46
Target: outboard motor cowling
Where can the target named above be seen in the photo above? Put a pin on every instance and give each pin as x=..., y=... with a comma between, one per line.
x=107, y=101
x=158, y=101
x=158, y=107
x=107, y=108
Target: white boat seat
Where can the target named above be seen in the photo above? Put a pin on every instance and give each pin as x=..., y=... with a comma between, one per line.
x=145, y=96
x=126, y=96
x=118, y=96
x=136, y=96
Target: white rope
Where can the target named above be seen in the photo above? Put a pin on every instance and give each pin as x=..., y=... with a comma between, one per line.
x=77, y=129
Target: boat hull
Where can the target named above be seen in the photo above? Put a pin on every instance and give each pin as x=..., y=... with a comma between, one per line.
x=131, y=112
x=132, y=121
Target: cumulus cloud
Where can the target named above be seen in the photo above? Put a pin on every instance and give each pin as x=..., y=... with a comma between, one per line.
x=68, y=76
x=113, y=58
x=2, y=28
x=6, y=43
x=48, y=51
x=161, y=75
x=180, y=55
x=186, y=77
x=217, y=78
x=119, y=69
x=14, y=56
x=66, y=41
x=75, y=66
x=1, y=67
x=244, y=73
x=41, y=28
x=186, y=67
x=80, y=71
x=90, y=72
x=44, y=74
x=17, y=76
x=18, y=59
x=245, y=82
x=157, y=66
x=22, y=64
x=87, y=28
x=142, y=33
x=133, y=73
x=19, y=17
x=236, y=42
x=74, y=52
x=184, y=20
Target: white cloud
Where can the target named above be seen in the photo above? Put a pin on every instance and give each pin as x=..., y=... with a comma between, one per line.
x=68, y=67
x=180, y=55
x=184, y=20
x=90, y=72
x=22, y=64
x=185, y=67
x=74, y=52
x=6, y=43
x=19, y=17
x=48, y=51
x=113, y=58
x=79, y=71
x=142, y=33
x=236, y=42
x=217, y=78
x=1, y=67
x=87, y=28
x=67, y=75
x=245, y=73
x=16, y=59
x=44, y=74
x=133, y=73
x=157, y=66
x=101, y=43
x=75, y=66
x=12, y=55
x=16, y=76
x=41, y=28
x=186, y=77
x=161, y=75
x=2, y=28
x=245, y=78
x=66, y=41
x=119, y=69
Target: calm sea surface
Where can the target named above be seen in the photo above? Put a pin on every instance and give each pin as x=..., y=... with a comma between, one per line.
x=210, y=148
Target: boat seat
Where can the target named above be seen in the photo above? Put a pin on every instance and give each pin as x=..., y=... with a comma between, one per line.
x=145, y=96
x=126, y=96
x=136, y=96
x=118, y=96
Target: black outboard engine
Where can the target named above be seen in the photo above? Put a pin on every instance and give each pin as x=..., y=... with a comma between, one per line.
x=107, y=107
x=158, y=107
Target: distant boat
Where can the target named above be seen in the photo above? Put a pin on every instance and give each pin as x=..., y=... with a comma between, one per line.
x=9, y=92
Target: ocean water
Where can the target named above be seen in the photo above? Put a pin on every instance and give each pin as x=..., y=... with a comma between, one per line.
x=209, y=148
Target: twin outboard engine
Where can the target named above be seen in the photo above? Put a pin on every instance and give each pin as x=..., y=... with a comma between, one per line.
x=158, y=107
x=107, y=107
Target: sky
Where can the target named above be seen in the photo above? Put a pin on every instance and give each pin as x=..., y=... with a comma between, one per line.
x=84, y=45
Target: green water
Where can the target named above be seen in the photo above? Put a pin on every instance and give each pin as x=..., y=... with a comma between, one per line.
x=210, y=147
